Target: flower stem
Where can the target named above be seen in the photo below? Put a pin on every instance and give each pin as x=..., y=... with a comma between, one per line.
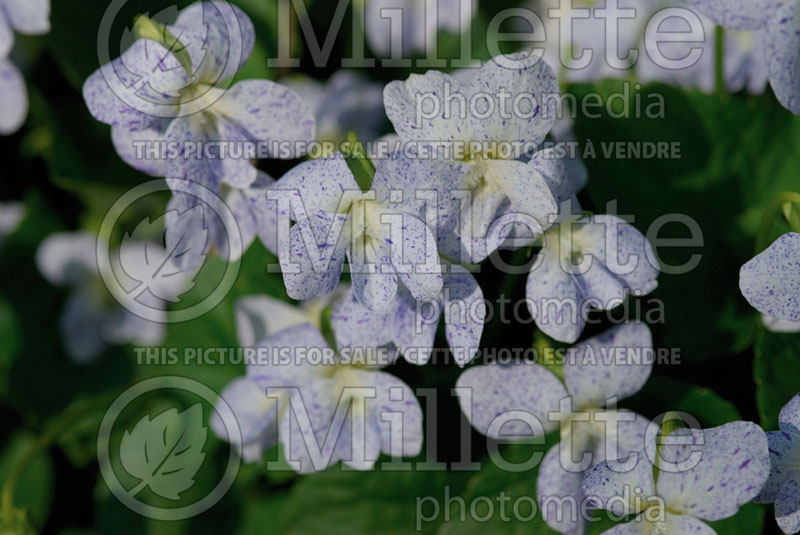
x=719, y=60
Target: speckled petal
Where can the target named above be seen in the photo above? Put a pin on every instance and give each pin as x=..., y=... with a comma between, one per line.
x=615, y=364
x=140, y=148
x=232, y=164
x=552, y=167
x=393, y=399
x=526, y=188
x=790, y=415
x=189, y=224
x=260, y=316
x=416, y=108
x=609, y=484
x=554, y=297
x=782, y=52
x=787, y=507
x=771, y=281
x=527, y=120
x=622, y=258
x=141, y=85
x=13, y=98
x=415, y=258
x=282, y=359
x=371, y=270
x=255, y=413
x=218, y=36
x=269, y=112
x=357, y=326
x=465, y=312
x=499, y=389
x=312, y=265
x=738, y=14
x=323, y=184
x=731, y=472
x=784, y=459
x=554, y=488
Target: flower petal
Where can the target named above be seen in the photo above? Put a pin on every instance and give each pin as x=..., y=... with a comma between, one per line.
x=415, y=258
x=269, y=112
x=218, y=36
x=771, y=281
x=615, y=488
x=28, y=16
x=126, y=142
x=81, y=327
x=414, y=107
x=790, y=415
x=495, y=390
x=524, y=121
x=13, y=98
x=782, y=52
x=282, y=362
x=738, y=14
x=6, y=35
x=141, y=85
x=784, y=458
x=260, y=316
x=555, y=488
x=255, y=413
x=615, y=364
x=374, y=281
x=312, y=265
x=787, y=507
x=732, y=468
x=464, y=312
x=67, y=257
x=323, y=184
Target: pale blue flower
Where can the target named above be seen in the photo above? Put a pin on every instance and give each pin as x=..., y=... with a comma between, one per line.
x=496, y=181
x=771, y=281
x=92, y=319
x=705, y=476
x=418, y=34
x=608, y=367
x=379, y=231
x=591, y=262
x=11, y=215
x=146, y=95
x=783, y=485
x=30, y=17
x=410, y=325
x=346, y=102
x=300, y=411
x=198, y=220
x=778, y=27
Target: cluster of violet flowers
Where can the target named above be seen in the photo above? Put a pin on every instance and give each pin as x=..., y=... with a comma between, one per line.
x=410, y=229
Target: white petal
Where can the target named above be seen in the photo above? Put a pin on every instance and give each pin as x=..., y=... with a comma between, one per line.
x=615, y=364
x=771, y=281
x=496, y=390
x=28, y=16
x=738, y=14
x=782, y=52
x=615, y=488
x=13, y=97
x=260, y=316
x=732, y=469
x=67, y=257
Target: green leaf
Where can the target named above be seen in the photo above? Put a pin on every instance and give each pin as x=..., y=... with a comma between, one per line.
x=683, y=187
x=492, y=495
x=165, y=452
x=362, y=503
x=749, y=519
x=34, y=490
x=777, y=374
x=10, y=334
